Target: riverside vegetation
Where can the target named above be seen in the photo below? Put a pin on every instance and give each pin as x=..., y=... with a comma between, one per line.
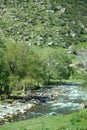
x=42, y=42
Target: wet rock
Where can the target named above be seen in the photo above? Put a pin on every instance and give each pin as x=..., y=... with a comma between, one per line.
x=35, y=101
x=9, y=112
x=22, y=111
x=41, y=98
x=85, y=105
x=2, y=120
x=9, y=117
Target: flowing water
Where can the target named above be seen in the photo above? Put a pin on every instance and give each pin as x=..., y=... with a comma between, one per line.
x=64, y=99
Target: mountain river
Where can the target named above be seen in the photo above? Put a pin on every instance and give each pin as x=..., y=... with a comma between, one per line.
x=64, y=100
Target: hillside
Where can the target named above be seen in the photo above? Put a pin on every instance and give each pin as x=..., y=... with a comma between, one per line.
x=27, y=30
x=45, y=22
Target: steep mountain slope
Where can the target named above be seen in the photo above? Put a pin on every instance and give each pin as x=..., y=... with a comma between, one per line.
x=44, y=22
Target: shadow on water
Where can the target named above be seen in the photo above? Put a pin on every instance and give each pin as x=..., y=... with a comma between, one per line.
x=64, y=83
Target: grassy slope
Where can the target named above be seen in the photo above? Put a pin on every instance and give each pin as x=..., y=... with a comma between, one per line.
x=43, y=22
x=45, y=52
x=81, y=45
x=75, y=121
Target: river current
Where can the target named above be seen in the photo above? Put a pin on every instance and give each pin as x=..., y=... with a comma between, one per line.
x=65, y=99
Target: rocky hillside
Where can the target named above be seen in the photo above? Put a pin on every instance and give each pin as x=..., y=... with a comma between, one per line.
x=44, y=22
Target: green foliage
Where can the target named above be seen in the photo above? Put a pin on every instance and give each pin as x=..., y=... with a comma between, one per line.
x=24, y=25
x=22, y=66
x=4, y=73
x=81, y=45
x=25, y=68
x=58, y=66
x=84, y=79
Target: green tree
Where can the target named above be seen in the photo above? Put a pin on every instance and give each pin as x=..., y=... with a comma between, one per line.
x=58, y=66
x=25, y=67
x=84, y=78
x=4, y=73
